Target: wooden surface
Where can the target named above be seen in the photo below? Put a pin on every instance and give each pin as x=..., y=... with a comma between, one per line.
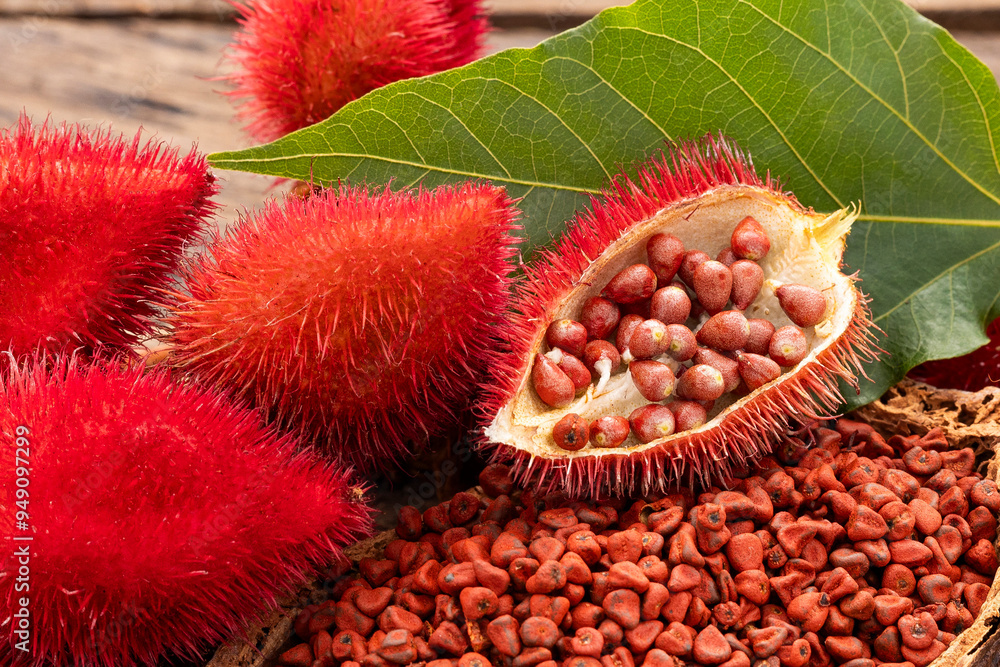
x=141, y=72
x=152, y=64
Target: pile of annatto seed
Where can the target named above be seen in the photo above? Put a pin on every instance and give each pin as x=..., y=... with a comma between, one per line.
x=654, y=336
x=841, y=549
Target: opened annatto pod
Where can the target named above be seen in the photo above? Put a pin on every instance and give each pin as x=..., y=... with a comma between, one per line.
x=675, y=330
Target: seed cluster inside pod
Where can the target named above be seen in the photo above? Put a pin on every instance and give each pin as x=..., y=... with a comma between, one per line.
x=843, y=548
x=682, y=342
x=675, y=330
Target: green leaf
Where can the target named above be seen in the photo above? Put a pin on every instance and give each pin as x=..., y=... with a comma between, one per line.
x=845, y=101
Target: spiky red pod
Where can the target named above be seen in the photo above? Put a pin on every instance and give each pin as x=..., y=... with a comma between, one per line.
x=162, y=516
x=971, y=372
x=361, y=319
x=91, y=226
x=298, y=61
x=698, y=191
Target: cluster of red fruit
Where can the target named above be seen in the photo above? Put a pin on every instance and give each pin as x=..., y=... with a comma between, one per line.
x=676, y=338
x=842, y=549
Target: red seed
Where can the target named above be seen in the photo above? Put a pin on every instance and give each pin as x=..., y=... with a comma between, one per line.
x=710, y=647
x=926, y=519
x=587, y=642
x=726, y=256
x=600, y=354
x=649, y=339
x=922, y=462
x=448, y=638
x=757, y=371
x=600, y=317
x=918, y=631
x=681, y=342
x=631, y=284
x=504, y=632
x=551, y=384
x=626, y=574
x=609, y=431
x=748, y=278
x=546, y=548
x=899, y=579
x=796, y=654
x=985, y=493
x=804, y=305
x=373, y=602
x=691, y=261
x=625, y=329
x=652, y=422
x=571, y=433
x=622, y=607
x=496, y=480
x=397, y=647
x=409, y=524
x=701, y=382
x=760, y=336
x=655, y=381
x=568, y=335
x=712, y=283
x=727, y=330
x=730, y=368
x=670, y=305
x=664, y=253
x=765, y=642
x=473, y=660
x=788, y=346
x=539, y=631
x=625, y=545
x=575, y=370
x=982, y=556
x=463, y=508
x=844, y=649
x=297, y=656
x=688, y=415
x=749, y=240
x=745, y=552
x=865, y=524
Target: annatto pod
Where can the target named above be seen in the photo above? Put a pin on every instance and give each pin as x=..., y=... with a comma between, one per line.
x=697, y=201
x=358, y=318
x=148, y=517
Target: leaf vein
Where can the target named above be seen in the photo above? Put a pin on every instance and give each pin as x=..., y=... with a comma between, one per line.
x=971, y=181
x=752, y=100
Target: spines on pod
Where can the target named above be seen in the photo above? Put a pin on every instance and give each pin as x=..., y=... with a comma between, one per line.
x=360, y=319
x=695, y=201
x=161, y=515
x=92, y=227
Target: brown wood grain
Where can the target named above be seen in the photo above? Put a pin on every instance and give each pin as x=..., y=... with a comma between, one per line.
x=141, y=73
x=220, y=8
x=160, y=76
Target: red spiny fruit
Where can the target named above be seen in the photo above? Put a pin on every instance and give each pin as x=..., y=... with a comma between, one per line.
x=699, y=200
x=974, y=371
x=163, y=516
x=91, y=225
x=298, y=61
x=362, y=319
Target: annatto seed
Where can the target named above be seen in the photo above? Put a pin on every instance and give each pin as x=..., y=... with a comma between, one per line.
x=652, y=422
x=572, y=432
x=700, y=382
x=528, y=579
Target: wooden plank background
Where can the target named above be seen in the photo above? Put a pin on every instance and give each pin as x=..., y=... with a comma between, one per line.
x=153, y=64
